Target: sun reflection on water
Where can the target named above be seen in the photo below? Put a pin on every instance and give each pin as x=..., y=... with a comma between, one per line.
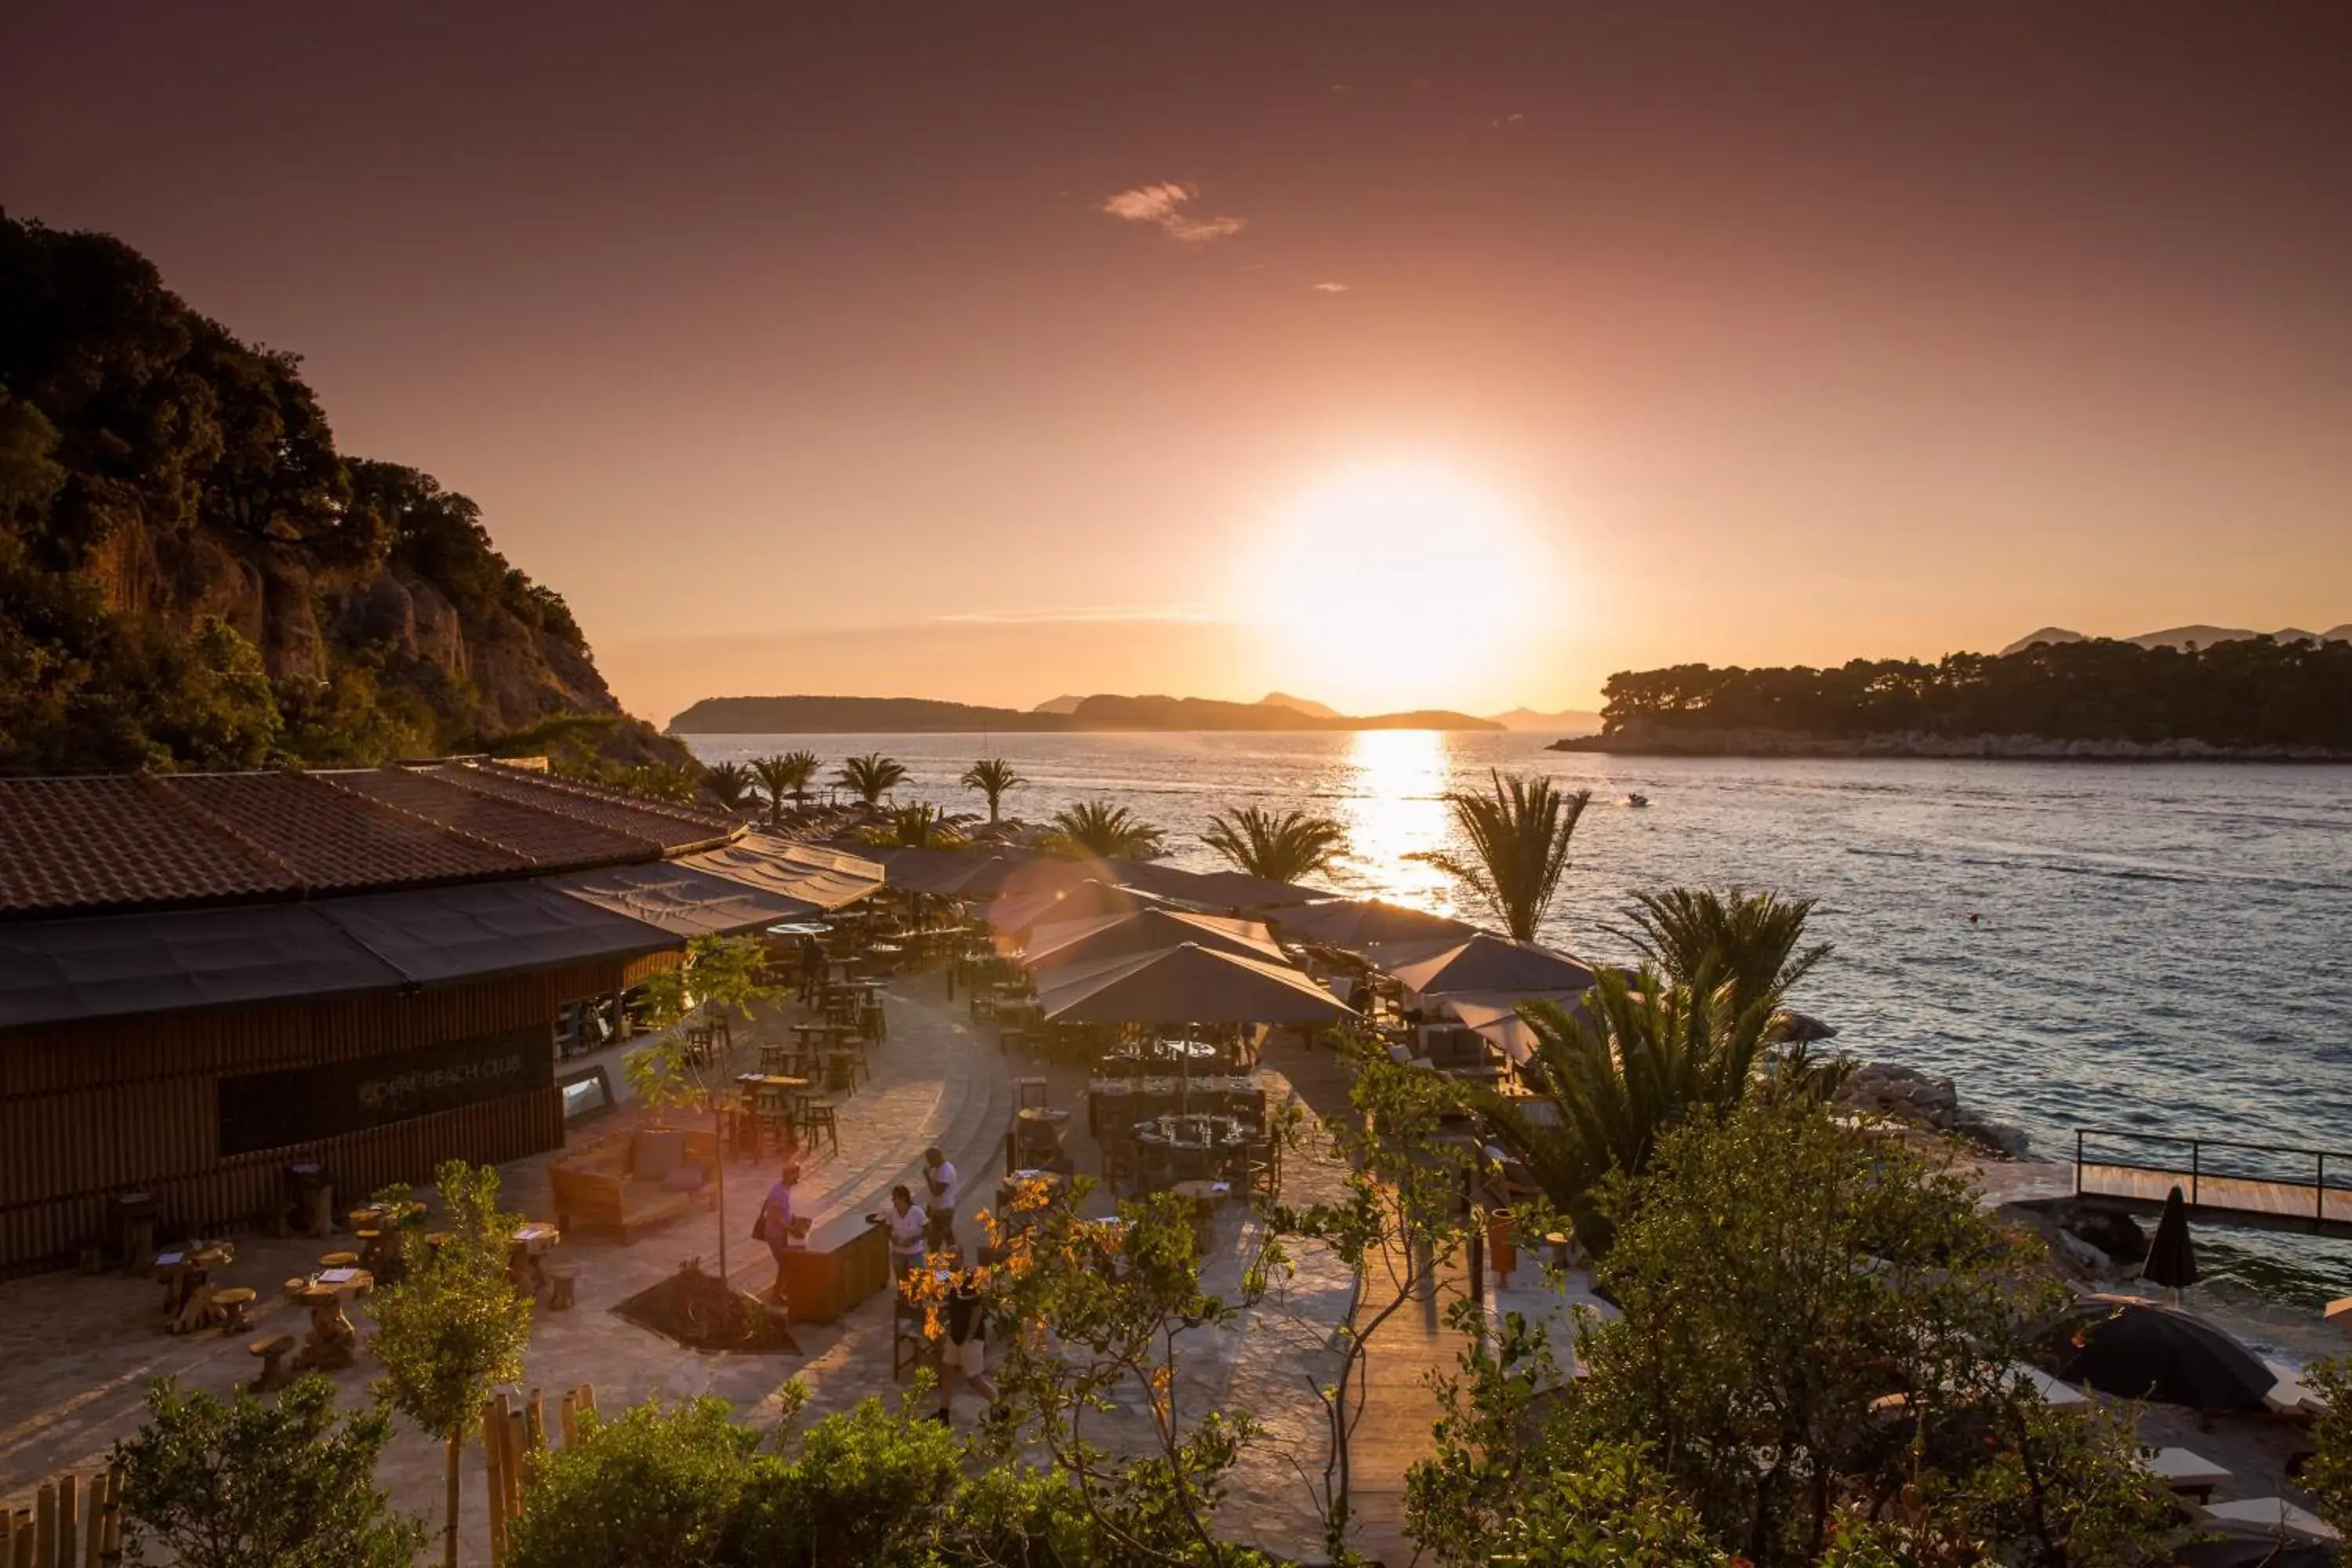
x=1395, y=808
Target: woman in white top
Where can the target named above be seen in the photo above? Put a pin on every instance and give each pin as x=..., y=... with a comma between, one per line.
x=908, y=1222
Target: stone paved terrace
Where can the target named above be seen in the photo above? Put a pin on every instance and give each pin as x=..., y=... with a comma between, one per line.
x=79, y=1350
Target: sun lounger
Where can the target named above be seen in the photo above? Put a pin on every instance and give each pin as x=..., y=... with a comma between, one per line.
x=2289, y=1397
x=2056, y=1395
x=2183, y=1471
x=2272, y=1515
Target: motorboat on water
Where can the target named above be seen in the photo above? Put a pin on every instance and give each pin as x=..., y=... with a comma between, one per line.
x=1637, y=799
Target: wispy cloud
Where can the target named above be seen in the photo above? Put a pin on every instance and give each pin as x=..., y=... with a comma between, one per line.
x=1190, y=614
x=1162, y=205
x=1333, y=288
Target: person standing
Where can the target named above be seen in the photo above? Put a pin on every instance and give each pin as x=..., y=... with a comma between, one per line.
x=811, y=968
x=778, y=1225
x=963, y=1345
x=908, y=1223
x=940, y=1182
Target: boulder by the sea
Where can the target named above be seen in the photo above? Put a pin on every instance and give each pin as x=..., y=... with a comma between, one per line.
x=1906, y=1094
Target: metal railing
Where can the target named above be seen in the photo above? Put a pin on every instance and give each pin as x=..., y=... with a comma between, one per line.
x=2197, y=1164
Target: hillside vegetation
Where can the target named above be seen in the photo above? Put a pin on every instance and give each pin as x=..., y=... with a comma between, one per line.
x=192, y=576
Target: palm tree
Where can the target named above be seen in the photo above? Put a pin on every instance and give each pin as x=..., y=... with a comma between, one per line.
x=1755, y=942
x=1518, y=846
x=921, y=825
x=784, y=777
x=871, y=777
x=1109, y=831
x=1279, y=848
x=993, y=777
x=1636, y=1058
x=729, y=783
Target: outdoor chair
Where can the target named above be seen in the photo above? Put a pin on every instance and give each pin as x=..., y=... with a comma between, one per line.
x=1031, y=1091
x=1261, y=1168
x=909, y=1344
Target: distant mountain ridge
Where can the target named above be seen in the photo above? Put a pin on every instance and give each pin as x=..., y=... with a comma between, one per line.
x=1572, y=720
x=808, y=715
x=2185, y=637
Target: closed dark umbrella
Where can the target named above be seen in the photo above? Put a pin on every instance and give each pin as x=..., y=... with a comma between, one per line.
x=2138, y=1350
x=2171, y=1261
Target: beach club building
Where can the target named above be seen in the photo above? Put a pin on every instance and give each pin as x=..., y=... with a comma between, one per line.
x=215, y=988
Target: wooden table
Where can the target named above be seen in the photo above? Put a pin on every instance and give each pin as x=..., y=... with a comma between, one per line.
x=531, y=1239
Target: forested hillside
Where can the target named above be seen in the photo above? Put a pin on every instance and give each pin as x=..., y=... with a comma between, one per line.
x=193, y=576
x=2241, y=695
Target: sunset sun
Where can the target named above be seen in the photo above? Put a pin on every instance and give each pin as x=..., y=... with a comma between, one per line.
x=1392, y=585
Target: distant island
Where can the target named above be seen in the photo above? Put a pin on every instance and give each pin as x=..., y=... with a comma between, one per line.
x=918, y=715
x=2244, y=697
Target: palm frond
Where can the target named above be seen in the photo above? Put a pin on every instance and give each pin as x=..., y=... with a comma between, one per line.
x=1280, y=848
x=1519, y=837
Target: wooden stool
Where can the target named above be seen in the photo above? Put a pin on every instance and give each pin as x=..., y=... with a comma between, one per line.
x=1031, y=1091
x=340, y=1260
x=815, y=1116
x=232, y=1303
x=561, y=1279
x=272, y=1353
x=294, y=1288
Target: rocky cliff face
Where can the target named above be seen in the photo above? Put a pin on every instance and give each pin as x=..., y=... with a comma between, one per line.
x=192, y=576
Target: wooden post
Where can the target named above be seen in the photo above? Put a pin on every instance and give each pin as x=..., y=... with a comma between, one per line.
x=588, y=1397
x=534, y=1422
x=514, y=1459
x=69, y=1518
x=45, y=1525
x=494, y=1487
x=567, y=1416
x=20, y=1541
x=110, y=1550
x=93, y=1514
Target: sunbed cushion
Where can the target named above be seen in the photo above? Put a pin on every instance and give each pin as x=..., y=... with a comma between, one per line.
x=656, y=1155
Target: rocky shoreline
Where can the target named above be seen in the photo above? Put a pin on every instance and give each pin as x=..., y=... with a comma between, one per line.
x=1662, y=742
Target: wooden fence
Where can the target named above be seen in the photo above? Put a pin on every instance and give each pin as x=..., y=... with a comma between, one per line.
x=71, y=1525
x=511, y=1435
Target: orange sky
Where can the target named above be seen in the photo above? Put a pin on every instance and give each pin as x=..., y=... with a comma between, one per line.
x=953, y=352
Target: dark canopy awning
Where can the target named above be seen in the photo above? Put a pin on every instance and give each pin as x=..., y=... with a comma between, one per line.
x=58, y=971
x=487, y=928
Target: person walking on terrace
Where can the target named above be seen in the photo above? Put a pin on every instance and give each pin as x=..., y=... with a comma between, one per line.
x=963, y=1348
x=778, y=1225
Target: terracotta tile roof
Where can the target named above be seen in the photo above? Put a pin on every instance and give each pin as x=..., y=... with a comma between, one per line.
x=335, y=839
x=86, y=846
x=551, y=839
x=674, y=827
x=84, y=842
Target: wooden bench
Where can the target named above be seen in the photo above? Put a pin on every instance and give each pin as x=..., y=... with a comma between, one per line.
x=595, y=1188
x=604, y=1200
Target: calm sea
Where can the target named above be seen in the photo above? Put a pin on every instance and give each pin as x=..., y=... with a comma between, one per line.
x=2157, y=947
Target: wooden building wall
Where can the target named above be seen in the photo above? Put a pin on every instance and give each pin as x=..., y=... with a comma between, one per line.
x=90, y=1109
